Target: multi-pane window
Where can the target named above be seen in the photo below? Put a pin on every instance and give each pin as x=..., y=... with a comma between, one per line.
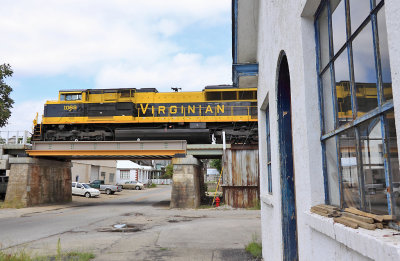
x=359, y=141
x=111, y=178
x=268, y=152
x=124, y=174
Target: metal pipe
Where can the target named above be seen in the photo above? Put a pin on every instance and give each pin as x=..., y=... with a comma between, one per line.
x=25, y=137
x=223, y=141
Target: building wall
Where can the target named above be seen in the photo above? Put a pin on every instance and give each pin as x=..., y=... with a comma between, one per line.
x=83, y=169
x=288, y=25
x=247, y=31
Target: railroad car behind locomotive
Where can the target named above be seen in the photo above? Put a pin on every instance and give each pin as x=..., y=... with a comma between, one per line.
x=146, y=114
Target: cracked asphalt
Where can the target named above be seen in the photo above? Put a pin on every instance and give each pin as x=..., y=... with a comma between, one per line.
x=152, y=231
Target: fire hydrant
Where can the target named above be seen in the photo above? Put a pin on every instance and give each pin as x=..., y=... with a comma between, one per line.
x=217, y=200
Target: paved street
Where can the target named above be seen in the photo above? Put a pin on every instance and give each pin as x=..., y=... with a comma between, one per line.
x=152, y=232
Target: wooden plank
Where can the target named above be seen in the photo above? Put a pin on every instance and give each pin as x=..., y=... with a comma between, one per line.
x=361, y=218
x=364, y=214
x=361, y=224
x=330, y=211
x=379, y=225
x=388, y=217
x=329, y=207
x=316, y=208
x=319, y=213
x=345, y=222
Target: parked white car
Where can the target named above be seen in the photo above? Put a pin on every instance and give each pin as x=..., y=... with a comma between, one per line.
x=84, y=190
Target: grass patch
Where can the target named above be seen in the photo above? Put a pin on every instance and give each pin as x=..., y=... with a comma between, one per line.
x=79, y=256
x=152, y=185
x=256, y=206
x=205, y=207
x=22, y=255
x=254, y=248
x=12, y=204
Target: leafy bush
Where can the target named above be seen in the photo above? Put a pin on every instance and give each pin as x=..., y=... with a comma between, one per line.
x=254, y=248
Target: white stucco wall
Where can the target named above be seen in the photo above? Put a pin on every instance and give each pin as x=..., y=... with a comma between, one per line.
x=247, y=31
x=288, y=25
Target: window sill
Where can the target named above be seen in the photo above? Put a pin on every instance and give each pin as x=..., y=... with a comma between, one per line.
x=267, y=200
x=379, y=244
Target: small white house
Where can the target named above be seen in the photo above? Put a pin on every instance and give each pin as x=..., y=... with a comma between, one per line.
x=130, y=171
x=126, y=171
x=212, y=174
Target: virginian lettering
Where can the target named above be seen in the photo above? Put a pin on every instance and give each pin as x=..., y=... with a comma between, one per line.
x=182, y=110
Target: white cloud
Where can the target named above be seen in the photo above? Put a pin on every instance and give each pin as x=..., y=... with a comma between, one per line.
x=187, y=71
x=23, y=114
x=119, y=43
x=79, y=37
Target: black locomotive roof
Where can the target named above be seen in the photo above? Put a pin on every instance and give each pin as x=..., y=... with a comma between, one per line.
x=74, y=90
x=147, y=90
x=110, y=90
x=223, y=86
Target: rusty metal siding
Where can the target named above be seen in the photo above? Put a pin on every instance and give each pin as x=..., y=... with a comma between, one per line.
x=241, y=177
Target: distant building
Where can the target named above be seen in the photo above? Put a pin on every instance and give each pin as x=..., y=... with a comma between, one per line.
x=85, y=171
x=212, y=174
x=130, y=171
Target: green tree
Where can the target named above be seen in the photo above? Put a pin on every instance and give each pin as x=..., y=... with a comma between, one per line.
x=5, y=101
x=216, y=163
x=169, y=171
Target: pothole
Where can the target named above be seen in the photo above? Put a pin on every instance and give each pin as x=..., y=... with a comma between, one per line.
x=132, y=214
x=180, y=220
x=190, y=217
x=122, y=228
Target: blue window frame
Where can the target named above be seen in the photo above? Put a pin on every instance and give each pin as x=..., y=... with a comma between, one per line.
x=268, y=152
x=360, y=160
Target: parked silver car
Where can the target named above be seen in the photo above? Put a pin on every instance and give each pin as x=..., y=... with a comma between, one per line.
x=133, y=185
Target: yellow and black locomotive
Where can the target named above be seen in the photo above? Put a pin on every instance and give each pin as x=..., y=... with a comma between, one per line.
x=146, y=114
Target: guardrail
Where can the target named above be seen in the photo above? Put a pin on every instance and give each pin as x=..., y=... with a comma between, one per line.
x=161, y=181
x=14, y=137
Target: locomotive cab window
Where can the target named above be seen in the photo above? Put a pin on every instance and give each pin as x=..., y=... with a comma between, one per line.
x=246, y=95
x=125, y=93
x=213, y=96
x=71, y=97
x=229, y=96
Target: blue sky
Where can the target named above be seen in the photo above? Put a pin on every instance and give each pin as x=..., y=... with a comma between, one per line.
x=71, y=44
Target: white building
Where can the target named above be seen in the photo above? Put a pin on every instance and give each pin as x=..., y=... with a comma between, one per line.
x=130, y=171
x=329, y=107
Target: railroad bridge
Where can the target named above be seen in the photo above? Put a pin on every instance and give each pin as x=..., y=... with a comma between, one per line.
x=41, y=173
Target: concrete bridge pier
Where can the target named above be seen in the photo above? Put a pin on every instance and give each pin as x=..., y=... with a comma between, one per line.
x=38, y=181
x=187, y=182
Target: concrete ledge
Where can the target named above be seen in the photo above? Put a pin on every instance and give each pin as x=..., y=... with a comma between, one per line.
x=189, y=160
x=379, y=244
x=4, y=164
x=16, y=146
x=267, y=200
x=29, y=160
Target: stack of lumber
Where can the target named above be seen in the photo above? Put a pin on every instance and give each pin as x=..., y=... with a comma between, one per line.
x=353, y=217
